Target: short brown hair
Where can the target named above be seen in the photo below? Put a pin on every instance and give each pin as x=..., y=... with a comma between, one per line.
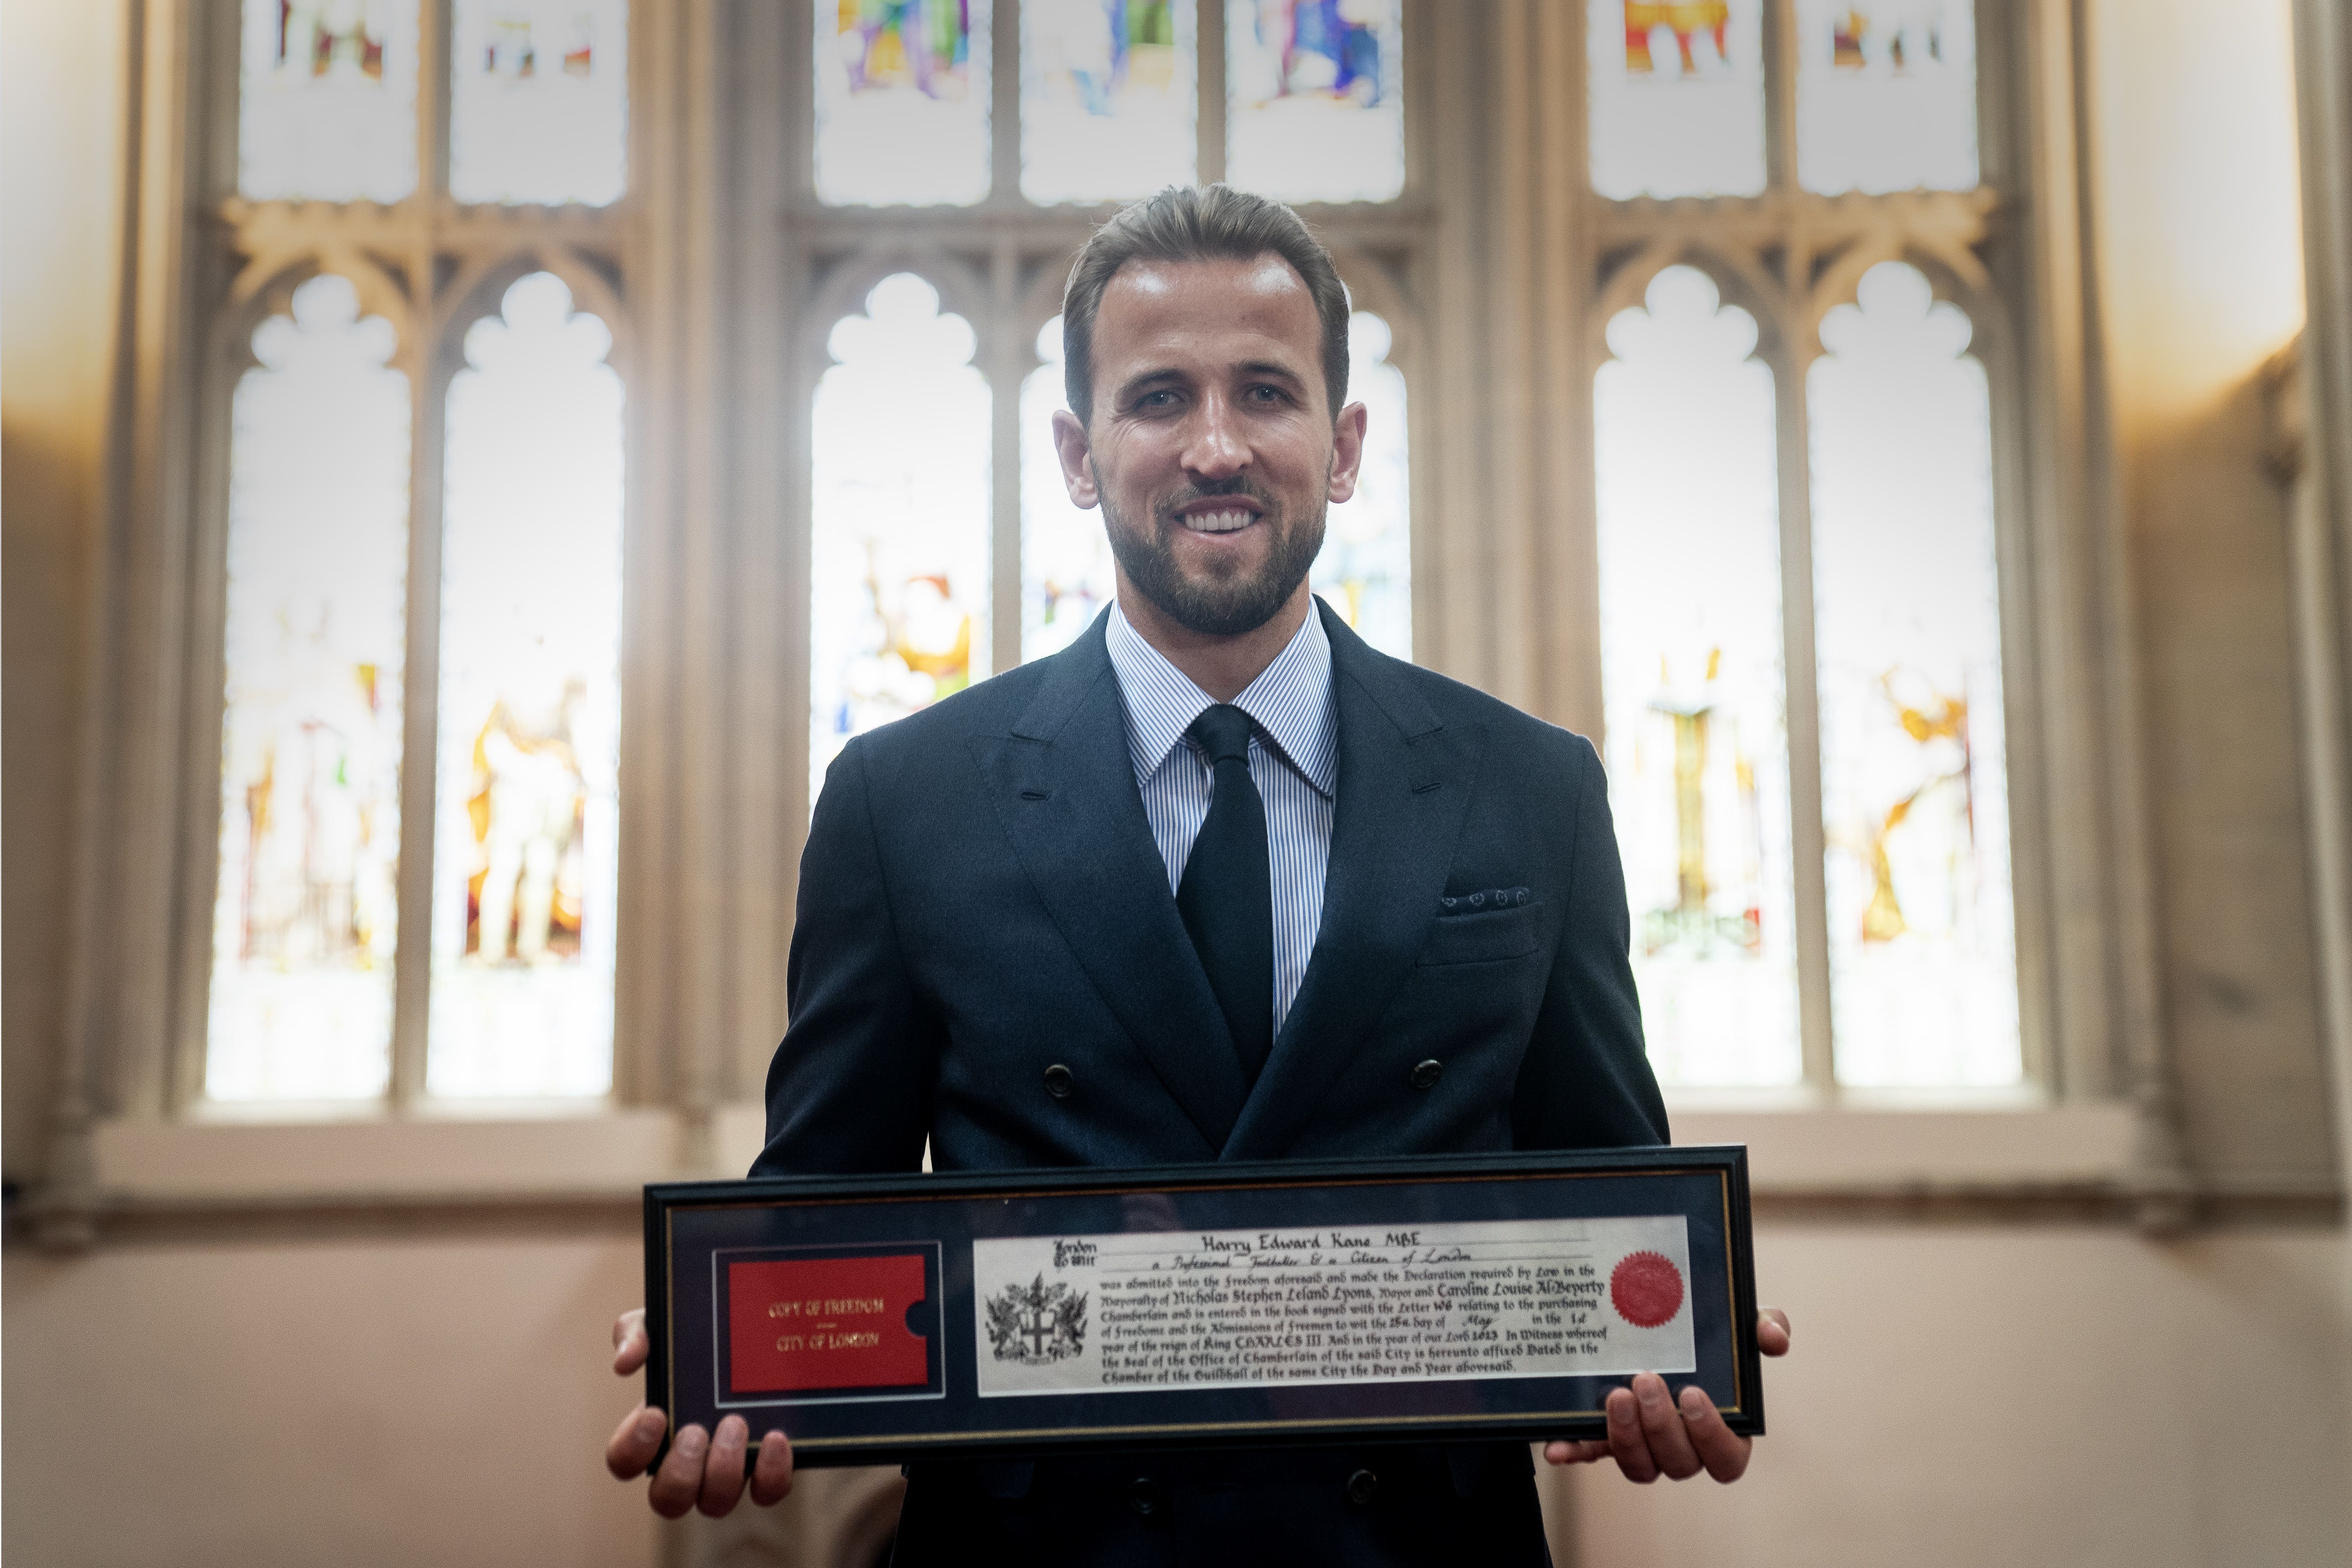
x=1198, y=223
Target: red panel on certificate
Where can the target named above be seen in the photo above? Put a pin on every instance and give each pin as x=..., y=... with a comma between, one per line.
x=824, y=1322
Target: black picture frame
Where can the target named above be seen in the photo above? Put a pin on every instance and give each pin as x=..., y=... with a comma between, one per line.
x=938, y=1408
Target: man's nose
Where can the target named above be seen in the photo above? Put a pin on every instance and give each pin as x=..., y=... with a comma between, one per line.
x=1215, y=447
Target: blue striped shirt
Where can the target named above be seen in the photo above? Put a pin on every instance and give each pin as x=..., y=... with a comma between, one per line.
x=1294, y=759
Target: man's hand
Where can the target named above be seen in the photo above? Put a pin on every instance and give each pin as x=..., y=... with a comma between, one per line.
x=1649, y=1436
x=702, y=1469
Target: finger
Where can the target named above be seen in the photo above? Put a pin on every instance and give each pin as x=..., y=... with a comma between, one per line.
x=1567, y=1452
x=771, y=1474
x=634, y=1442
x=1723, y=1451
x=630, y=1344
x=1662, y=1423
x=1773, y=1331
x=680, y=1480
x=722, y=1472
x=1626, y=1443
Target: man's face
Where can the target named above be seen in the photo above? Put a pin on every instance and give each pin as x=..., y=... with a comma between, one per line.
x=1211, y=448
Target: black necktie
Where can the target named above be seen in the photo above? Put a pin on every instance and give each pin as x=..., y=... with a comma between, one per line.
x=1226, y=896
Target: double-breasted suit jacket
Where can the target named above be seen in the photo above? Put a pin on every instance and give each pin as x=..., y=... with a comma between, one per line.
x=988, y=956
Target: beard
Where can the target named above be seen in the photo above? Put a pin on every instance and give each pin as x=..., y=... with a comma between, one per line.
x=1214, y=605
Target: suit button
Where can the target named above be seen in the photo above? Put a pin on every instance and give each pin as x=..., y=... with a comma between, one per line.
x=1362, y=1488
x=1426, y=1076
x=1058, y=1081
x=1145, y=1496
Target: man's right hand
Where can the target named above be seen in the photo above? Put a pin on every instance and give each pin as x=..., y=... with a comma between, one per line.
x=702, y=1469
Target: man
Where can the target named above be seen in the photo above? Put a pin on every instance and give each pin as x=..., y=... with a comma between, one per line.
x=1211, y=884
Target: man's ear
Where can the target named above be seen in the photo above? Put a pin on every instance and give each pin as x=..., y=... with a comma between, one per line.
x=1347, y=452
x=1070, y=445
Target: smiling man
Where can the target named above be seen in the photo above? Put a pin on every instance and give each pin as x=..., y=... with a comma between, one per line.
x=1202, y=888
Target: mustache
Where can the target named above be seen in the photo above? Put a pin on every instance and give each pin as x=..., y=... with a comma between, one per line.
x=1166, y=507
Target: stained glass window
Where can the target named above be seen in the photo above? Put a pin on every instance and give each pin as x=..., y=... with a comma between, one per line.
x=1314, y=98
x=898, y=567
x=1106, y=97
x=1914, y=775
x=327, y=100
x=304, y=917
x=525, y=849
x=901, y=102
x=1066, y=576
x=1887, y=95
x=1365, y=572
x=1678, y=96
x=539, y=101
x=1693, y=692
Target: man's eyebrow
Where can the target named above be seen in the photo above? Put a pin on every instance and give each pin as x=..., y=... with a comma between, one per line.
x=1275, y=369
x=1138, y=383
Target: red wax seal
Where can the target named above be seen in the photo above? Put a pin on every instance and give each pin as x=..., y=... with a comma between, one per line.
x=831, y=1322
x=1646, y=1289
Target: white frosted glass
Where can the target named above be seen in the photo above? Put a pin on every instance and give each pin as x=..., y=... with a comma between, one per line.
x=1365, y=570
x=899, y=554
x=1108, y=98
x=305, y=909
x=1914, y=795
x=1677, y=97
x=1887, y=95
x=1693, y=693
x=1314, y=98
x=327, y=100
x=901, y=102
x=526, y=832
x=539, y=101
x=1066, y=574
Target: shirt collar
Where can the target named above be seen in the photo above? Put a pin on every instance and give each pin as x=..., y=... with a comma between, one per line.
x=1290, y=701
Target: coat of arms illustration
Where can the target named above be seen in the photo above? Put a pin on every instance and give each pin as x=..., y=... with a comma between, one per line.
x=1037, y=1323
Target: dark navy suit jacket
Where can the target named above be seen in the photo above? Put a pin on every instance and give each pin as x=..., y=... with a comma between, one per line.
x=980, y=900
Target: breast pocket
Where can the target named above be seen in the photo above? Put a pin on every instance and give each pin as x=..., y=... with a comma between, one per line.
x=1488, y=938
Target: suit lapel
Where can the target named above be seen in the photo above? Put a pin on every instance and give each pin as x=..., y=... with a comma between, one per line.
x=1064, y=787
x=1403, y=794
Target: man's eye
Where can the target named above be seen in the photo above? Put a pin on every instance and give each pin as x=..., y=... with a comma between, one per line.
x=1266, y=394
x=1160, y=399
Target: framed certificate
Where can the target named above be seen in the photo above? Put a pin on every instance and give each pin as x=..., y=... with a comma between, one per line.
x=1012, y=1313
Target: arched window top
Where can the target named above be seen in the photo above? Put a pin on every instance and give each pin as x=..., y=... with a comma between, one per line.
x=1682, y=314
x=1896, y=316
x=903, y=330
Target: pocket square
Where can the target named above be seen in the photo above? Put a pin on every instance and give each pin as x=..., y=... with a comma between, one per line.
x=1479, y=902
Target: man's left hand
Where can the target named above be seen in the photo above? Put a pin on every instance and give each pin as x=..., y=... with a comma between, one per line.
x=1650, y=1436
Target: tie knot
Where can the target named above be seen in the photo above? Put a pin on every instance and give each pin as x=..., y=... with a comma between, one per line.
x=1223, y=732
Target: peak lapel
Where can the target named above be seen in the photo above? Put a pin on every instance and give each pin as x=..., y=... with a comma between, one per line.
x=1064, y=787
x=1403, y=794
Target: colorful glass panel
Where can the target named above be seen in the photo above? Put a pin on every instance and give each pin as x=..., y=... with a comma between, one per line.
x=539, y=101
x=525, y=846
x=1314, y=98
x=1365, y=570
x=1066, y=576
x=1677, y=97
x=305, y=909
x=1108, y=98
x=1914, y=795
x=327, y=100
x=898, y=554
x=1887, y=95
x=1694, y=699
x=901, y=102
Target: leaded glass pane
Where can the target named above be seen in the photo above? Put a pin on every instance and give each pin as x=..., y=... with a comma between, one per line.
x=526, y=830
x=1678, y=96
x=1692, y=686
x=1107, y=98
x=1365, y=570
x=1887, y=95
x=327, y=100
x=305, y=910
x=1066, y=575
x=901, y=102
x=899, y=554
x=1914, y=795
x=539, y=101
x=1314, y=98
